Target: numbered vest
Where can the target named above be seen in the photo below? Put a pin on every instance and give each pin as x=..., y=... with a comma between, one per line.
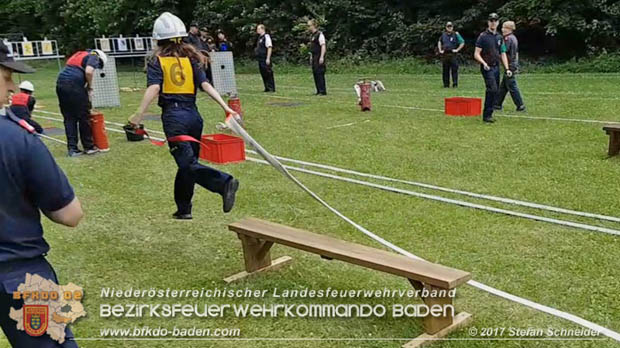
x=178, y=75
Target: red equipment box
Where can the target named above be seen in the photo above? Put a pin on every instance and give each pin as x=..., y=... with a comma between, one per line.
x=222, y=148
x=460, y=106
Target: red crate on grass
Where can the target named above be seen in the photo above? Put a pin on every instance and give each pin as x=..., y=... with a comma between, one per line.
x=460, y=106
x=222, y=148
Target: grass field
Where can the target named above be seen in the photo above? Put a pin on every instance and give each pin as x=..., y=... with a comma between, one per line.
x=128, y=239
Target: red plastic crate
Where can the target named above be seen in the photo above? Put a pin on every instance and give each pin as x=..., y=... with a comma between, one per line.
x=222, y=148
x=460, y=106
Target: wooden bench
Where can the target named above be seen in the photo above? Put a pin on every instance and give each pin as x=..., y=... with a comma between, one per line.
x=613, y=130
x=258, y=236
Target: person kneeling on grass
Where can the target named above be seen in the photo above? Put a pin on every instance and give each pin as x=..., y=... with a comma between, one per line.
x=174, y=74
x=22, y=104
x=509, y=84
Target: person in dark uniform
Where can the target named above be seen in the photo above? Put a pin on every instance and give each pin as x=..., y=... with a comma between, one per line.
x=31, y=183
x=22, y=104
x=207, y=46
x=74, y=88
x=490, y=50
x=206, y=40
x=264, y=48
x=509, y=84
x=175, y=75
x=193, y=37
x=449, y=45
x=223, y=44
x=318, y=48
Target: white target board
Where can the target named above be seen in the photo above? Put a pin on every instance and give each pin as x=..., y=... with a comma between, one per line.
x=223, y=69
x=105, y=89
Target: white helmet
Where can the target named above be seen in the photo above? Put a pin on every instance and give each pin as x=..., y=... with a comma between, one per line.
x=102, y=55
x=168, y=26
x=27, y=85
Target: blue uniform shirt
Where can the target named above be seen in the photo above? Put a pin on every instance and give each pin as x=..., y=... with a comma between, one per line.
x=451, y=41
x=76, y=74
x=30, y=181
x=492, y=45
x=155, y=76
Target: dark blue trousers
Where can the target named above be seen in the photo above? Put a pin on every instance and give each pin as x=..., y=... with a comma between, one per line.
x=185, y=120
x=12, y=274
x=491, y=81
x=266, y=72
x=318, y=72
x=450, y=67
x=509, y=84
x=75, y=109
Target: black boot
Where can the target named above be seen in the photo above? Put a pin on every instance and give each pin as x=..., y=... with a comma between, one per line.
x=228, y=197
x=177, y=215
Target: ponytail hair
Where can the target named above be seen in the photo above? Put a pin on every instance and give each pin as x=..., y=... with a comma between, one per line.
x=177, y=48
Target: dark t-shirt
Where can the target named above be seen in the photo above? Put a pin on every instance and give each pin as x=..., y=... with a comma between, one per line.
x=450, y=41
x=512, y=51
x=492, y=45
x=30, y=181
x=155, y=76
x=195, y=41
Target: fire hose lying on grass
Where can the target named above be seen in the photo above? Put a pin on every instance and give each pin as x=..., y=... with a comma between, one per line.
x=271, y=160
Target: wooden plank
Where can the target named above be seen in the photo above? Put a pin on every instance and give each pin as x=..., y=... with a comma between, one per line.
x=612, y=128
x=426, y=272
x=460, y=320
x=276, y=264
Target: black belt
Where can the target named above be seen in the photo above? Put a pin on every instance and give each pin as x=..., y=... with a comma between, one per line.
x=169, y=105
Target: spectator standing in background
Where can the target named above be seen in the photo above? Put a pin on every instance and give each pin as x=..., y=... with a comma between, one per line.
x=318, y=48
x=449, y=45
x=206, y=40
x=264, y=48
x=222, y=42
x=193, y=37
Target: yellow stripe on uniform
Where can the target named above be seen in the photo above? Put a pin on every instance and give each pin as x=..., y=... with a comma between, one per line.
x=178, y=75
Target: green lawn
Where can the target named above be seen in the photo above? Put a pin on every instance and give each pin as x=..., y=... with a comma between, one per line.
x=128, y=239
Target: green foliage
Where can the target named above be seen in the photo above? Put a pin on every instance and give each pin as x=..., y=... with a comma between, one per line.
x=604, y=63
x=354, y=28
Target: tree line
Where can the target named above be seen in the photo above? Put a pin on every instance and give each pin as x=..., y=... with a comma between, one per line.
x=354, y=28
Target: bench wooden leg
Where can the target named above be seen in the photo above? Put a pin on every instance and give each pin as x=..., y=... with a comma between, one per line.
x=256, y=253
x=461, y=320
x=614, y=143
x=437, y=326
x=433, y=324
x=257, y=257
